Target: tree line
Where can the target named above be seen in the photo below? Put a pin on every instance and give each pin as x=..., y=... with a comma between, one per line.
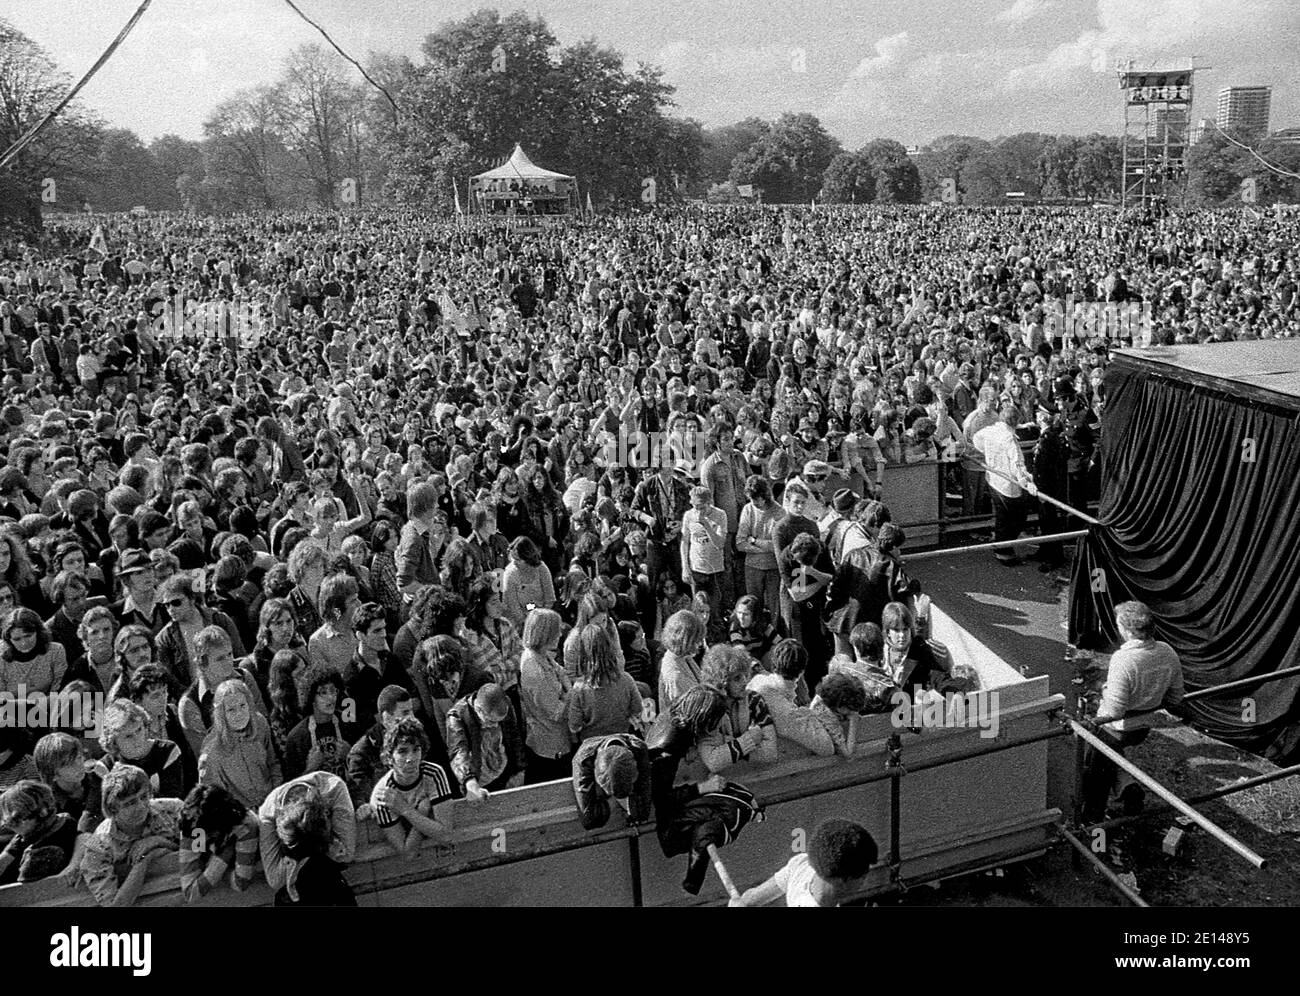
x=321, y=137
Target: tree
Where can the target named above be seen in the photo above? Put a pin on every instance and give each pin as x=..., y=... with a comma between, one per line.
x=984, y=178
x=174, y=157
x=1216, y=169
x=946, y=156
x=789, y=161
x=897, y=180
x=723, y=145
x=318, y=113
x=55, y=168
x=245, y=162
x=489, y=81
x=1098, y=160
x=848, y=178
x=1019, y=156
x=126, y=174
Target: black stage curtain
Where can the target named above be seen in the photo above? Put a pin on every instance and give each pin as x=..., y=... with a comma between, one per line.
x=1206, y=538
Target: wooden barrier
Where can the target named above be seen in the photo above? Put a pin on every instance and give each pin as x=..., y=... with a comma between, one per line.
x=525, y=847
x=912, y=491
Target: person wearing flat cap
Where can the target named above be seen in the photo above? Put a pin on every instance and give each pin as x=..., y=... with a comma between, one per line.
x=841, y=530
x=139, y=603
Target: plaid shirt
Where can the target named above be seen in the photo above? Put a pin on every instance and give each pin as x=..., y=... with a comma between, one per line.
x=110, y=854
x=500, y=658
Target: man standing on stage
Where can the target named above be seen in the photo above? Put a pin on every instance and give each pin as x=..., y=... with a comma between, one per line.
x=1008, y=479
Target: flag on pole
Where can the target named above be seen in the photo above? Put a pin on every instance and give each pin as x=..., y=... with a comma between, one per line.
x=589, y=208
x=97, y=241
x=450, y=313
x=814, y=203
x=455, y=190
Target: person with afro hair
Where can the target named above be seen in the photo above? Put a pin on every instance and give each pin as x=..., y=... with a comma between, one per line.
x=835, y=867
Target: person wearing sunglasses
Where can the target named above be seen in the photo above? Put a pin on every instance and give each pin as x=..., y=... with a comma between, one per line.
x=189, y=617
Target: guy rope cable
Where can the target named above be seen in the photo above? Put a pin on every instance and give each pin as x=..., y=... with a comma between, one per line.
x=1042, y=497
x=361, y=69
x=30, y=135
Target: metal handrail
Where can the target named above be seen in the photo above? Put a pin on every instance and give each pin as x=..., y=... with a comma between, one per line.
x=1219, y=793
x=1217, y=832
x=1100, y=865
x=1257, y=679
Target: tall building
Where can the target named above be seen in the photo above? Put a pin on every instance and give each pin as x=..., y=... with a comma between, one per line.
x=1287, y=136
x=1244, y=108
x=1198, y=131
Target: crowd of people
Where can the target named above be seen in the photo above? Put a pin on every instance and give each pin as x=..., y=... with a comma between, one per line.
x=449, y=510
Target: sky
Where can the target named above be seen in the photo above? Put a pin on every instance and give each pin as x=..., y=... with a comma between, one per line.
x=909, y=70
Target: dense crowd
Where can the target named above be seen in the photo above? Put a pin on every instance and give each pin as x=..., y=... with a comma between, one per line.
x=432, y=510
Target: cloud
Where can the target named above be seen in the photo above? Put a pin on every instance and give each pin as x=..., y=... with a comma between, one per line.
x=916, y=99
x=888, y=50
x=1156, y=31
x=1021, y=11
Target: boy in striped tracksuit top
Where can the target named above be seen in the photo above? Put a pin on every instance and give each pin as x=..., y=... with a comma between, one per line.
x=216, y=832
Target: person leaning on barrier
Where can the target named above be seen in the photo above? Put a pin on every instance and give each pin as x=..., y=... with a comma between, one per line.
x=616, y=767
x=139, y=837
x=835, y=866
x=787, y=701
x=747, y=731
x=485, y=743
x=910, y=659
x=281, y=847
x=217, y=834
x=1145, y=675
x=44, y=840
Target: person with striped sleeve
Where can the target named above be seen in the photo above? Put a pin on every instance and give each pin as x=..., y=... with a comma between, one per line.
x=411, y=800
x=217, y=831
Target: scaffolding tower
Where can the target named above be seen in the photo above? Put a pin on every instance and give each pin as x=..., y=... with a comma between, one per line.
x=1157, y=120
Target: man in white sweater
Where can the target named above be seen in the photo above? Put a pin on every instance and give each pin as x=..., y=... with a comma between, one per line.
x=1145, y=675
x=1008, y=477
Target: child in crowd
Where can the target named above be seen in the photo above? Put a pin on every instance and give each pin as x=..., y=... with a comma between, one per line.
x=671, y=600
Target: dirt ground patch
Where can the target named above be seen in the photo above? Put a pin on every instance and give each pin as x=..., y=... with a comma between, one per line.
x=1201, y=872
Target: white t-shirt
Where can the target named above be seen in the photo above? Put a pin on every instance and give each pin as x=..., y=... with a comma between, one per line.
x=796, y=880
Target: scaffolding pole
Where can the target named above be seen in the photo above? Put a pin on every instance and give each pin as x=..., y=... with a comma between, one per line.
x=1124, y=889
x=1042, y=497
x=998, y=545
x=1213, y=829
